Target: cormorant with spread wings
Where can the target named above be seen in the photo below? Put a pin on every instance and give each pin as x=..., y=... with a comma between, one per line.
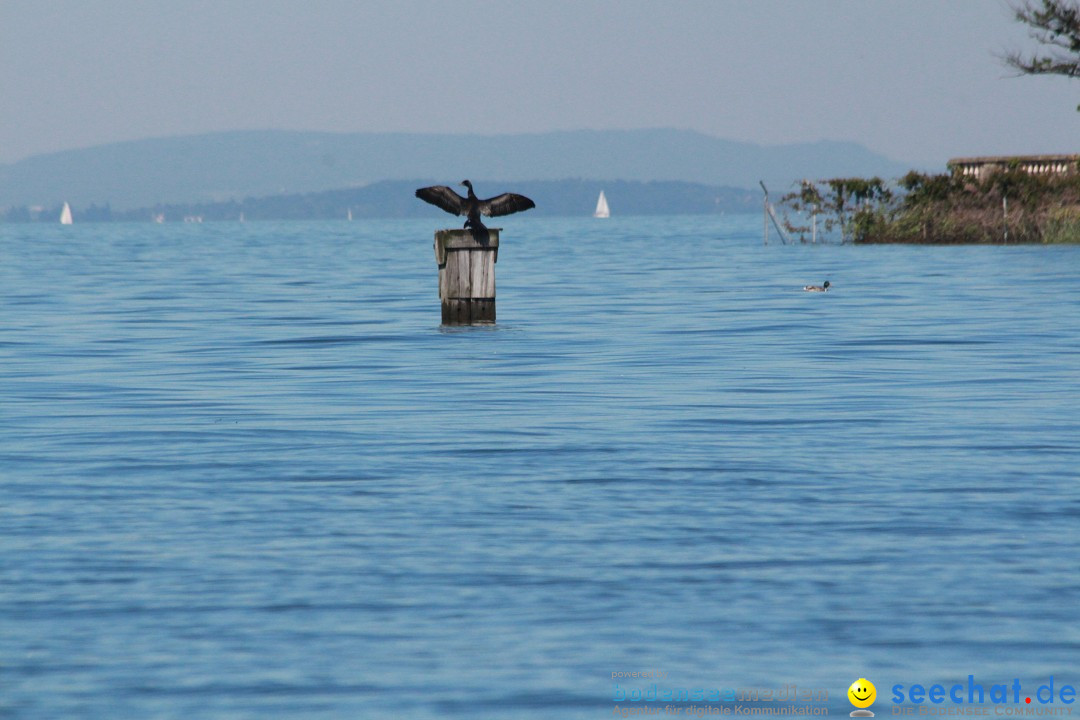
x=472, y=206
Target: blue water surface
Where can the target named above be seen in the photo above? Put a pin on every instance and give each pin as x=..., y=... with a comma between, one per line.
x=244, y=473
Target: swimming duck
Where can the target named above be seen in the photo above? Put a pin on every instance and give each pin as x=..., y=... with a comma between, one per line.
x=817, y=288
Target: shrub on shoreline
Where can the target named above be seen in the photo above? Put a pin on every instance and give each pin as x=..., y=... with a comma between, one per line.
x=1007, y=206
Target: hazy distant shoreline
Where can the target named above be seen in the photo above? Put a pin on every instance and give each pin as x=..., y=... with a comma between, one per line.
x=230, y=166
x=395, y=199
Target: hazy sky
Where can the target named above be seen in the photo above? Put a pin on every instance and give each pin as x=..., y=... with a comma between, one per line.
x=917, y=80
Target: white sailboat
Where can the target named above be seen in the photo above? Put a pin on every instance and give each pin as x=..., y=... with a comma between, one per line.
x=350, y=215
x=602, y=210
x=65, y=215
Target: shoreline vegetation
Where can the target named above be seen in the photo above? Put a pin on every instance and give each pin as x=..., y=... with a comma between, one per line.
x=1004, y=205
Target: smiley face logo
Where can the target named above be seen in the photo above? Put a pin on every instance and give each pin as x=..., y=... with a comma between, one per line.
x=862, y=693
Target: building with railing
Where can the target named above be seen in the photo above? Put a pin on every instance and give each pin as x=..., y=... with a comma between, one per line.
x=978, y=168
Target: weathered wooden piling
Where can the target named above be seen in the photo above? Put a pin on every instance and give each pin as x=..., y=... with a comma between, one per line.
x=467, y=275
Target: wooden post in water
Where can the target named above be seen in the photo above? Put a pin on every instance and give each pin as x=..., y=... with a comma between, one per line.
x=466, y=276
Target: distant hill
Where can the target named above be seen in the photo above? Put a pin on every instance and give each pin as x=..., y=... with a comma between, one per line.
x=395, y=199
x=235, y=165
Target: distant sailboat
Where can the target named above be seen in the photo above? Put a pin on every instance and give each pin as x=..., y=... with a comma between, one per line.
x=602, y=210
x=350, y=215
x=65, y=215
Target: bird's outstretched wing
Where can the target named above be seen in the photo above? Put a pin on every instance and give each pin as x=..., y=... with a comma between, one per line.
x=444, y=197
x=505, y=204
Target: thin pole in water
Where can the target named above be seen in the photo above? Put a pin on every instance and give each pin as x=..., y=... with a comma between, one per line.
x=770, y=213
x=1005, y=214
x=765, y=212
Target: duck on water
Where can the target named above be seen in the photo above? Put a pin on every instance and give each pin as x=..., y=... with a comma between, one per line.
x=473, y=207
x=817, y=288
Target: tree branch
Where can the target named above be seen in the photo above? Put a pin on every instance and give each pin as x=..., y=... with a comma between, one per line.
x=1056, y=25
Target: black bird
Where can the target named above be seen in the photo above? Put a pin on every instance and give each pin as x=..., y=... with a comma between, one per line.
x=474, y=207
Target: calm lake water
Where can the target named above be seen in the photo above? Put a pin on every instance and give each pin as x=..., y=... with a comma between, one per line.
x=245, y=473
